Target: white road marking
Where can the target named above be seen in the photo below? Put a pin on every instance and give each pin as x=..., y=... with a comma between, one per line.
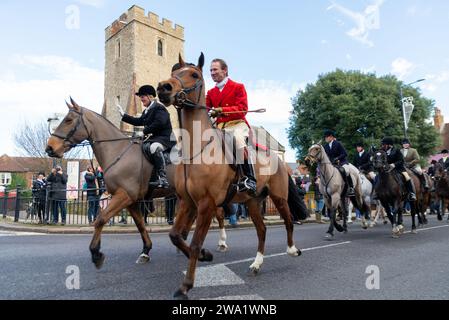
x=248, y=297
x=430, y=228
x=217, y=275
x=16, y=234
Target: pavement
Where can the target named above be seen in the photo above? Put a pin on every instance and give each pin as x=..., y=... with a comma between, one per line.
x=9, y=225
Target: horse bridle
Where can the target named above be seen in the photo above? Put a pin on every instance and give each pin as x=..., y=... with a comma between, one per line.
x=181, y=99
x=72, y=132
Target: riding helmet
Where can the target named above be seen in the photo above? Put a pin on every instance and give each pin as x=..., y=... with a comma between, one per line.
x=387, y=141
x=146, y=91
x=329, y=133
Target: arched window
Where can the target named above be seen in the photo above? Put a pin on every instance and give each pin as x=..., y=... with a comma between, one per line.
x=160, y=48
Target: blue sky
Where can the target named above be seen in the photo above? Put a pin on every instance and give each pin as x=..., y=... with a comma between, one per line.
x=273, y=47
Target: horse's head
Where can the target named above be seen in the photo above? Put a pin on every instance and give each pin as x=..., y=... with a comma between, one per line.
x=439, y=172
x=315, y=154
x=380, y=160
x=69, y=133
x=185, y=86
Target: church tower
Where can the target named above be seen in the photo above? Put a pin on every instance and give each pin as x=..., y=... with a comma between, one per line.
x=140, y=50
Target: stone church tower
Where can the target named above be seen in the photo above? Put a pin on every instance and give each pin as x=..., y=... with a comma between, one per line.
x=139, y=50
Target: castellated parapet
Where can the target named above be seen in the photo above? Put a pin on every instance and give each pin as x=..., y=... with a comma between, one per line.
x=139, y=49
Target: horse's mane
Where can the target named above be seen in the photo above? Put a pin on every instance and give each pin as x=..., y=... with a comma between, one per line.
x=105, y=119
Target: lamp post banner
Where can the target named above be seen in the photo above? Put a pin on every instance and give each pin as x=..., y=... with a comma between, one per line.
x=73, y=172
x=408, y=106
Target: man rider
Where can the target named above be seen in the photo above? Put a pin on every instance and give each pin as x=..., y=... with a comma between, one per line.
x=362, y=161
x=396, y=161
x=411, y=158
x=229, y=104
x=337, y=155
x=158, y=130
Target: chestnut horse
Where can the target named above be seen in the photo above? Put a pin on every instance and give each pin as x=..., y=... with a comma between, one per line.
x=127, y=172
x=202, y=185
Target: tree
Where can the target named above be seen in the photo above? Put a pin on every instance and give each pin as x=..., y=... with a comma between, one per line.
x=31, y=141
x=360, y=108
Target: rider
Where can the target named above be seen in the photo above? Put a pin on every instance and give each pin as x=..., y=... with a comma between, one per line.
x=411, y=158
x=229, y=104
x=396, y=161
x=157, y=130
x=445, y=159
x=362, y=161
x=337, y=155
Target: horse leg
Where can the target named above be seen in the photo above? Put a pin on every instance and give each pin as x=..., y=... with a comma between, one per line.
x=414, y=211
x=147, y=244
x=222, y=246
x=180, y=230
x=206, y=210
x=119, y=201
x=332, y=220
x=344, y=208
x=254, y=209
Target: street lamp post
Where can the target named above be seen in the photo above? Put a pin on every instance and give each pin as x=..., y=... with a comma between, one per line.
x=403, y=104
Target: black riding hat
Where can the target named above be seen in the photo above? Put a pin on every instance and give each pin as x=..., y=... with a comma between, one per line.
x=146, y=91
x=360, y=144
x=329, y=133
x=406, y=141
x=387, y=141
x=444, y=151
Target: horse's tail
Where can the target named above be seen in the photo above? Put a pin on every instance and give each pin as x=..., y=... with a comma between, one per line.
x=296, y=204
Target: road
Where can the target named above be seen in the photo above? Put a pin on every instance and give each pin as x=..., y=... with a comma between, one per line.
x=412, y=267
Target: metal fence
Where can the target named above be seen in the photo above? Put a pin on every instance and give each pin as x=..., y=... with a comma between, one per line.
x=81, y=210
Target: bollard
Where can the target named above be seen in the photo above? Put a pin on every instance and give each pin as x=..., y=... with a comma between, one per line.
x=5, y=204
x=17, y=209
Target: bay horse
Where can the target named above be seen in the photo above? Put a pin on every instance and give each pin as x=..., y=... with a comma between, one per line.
x=126, y=173
x=441, y=188
x=332, y=187
x=392, y=193
x=202, y=185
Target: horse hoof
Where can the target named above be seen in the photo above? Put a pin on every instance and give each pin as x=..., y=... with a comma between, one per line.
x=329, y=236
x=395, y=236
x=254, y=270
x=385, y=222
x=179, y=295
x=222, y=248
x=99, y=261
x=206, y=256
x=143, y=258
x=414, y=231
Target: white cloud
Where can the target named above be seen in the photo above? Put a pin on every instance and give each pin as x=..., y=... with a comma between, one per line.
x=35, y=98
x=402, y=67
x=93, y=3
x=365, y=21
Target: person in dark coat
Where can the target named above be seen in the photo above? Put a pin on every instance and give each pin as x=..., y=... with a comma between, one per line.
x=58, y=180
x=158, y=131
x=396, y=161
x=362, y=161
x=338, y=156
x=39, y=195
x=445, y=160
x=92, y=194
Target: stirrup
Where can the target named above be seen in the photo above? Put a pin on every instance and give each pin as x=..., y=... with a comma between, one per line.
x=160, y=183
x=247, y=185
x=351, y=192
x=411, y=196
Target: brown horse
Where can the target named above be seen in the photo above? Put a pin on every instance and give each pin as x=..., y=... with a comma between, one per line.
x=441, y=189
x=202, y=185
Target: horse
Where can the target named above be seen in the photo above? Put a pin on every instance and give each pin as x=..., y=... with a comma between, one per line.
x=203, y=185
x=126, y=174
x=392, y=194
x=333, y=187
x=441, y=188
x=367, y=192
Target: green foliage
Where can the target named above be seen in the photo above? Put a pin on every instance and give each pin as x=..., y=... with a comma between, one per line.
x=360, y=108
x=16, y=180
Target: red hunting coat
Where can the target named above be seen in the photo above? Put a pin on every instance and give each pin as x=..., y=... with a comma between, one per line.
x=233, y=98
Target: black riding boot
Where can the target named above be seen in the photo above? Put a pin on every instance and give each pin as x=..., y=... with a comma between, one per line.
x=423, y=181
x=411, y=190
x=248, y=180
x=351, y=192
x=159, y=166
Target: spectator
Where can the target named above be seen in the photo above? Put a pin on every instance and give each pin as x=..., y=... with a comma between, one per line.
x=58, y=181
x=318, y=197
x=242, y=211
x=100, y=180
x=92, y=195
x=170, y=204
x=39, y=195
